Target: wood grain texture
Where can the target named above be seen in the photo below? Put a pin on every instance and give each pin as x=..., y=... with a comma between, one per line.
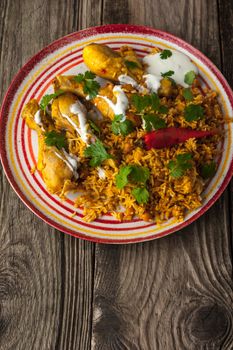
x=58, y=292
x=174, y=293
x=45, y=277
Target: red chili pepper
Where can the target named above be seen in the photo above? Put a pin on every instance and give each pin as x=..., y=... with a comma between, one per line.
x=168, y=137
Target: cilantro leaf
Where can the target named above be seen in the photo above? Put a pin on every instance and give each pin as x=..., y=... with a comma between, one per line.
x=180, y=165
x=97, y=152
x=90, y=86
x=167, y=74
x=47, y=98
x=94, y=126
x=82, y=77
x=141, y=195
x=141, y=103
x=139, y=174
x=122, y=176
x=193, y=112
x=188, y=95
x=131, y=173
x=154, y=101
x=53, y=138
x=208, y=170
x=165, y=54
x=124, y=127
x=163, y=109
x=153, y=122
x=189, y=77
x=131, y=64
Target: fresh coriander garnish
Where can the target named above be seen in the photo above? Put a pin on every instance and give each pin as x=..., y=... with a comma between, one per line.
x=193, y=112
x=208, y=170
x=163, y=109
x=141, y=195
x=165, y=54
x=122, y=176
x=131, y=64
x=153, y=122
x=141, y=103
x=94, y=126
x=189, y=77
x=97, y=152
x=188, y=95
x=53, y=138
x=180, y=165
x=167, y=74
x=47, y=98
x=121, y=126
x=131, y=173
x=90, y=86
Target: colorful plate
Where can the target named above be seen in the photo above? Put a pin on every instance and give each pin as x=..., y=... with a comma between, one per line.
x=18, y=144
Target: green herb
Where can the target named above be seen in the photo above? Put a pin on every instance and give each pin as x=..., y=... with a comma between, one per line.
x=189, y=77
x=167, y=74
x=97, y=152
x=141, y=195
x=154, y=101
x=193, y=112
x=188, y=95
x=132, y=173
x=141, y=103
x=47, y=98
x=153, y=122
x=131, y=64
x=120, y=126
x=90, y=86
x=165, y=54
x=208, y=170
x=53, y=138
x=122, y=176
x=94, y=127
x=180, y=165
x=139, y=174
x=163, y=109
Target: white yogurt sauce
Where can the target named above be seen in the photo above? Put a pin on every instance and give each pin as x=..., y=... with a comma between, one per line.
x=37, y=118
x=80, y=110
x=122, y=103
x=71, y=161
x=125, y=79
x=101, y=173
x=177, y=62
x=152, y=82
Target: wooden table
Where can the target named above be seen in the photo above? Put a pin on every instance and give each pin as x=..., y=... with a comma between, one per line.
x=58, y=292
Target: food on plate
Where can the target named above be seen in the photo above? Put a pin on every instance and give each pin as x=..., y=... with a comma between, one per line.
x=134, y=137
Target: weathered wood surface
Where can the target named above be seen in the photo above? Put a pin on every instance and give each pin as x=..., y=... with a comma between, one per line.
x=57, y=292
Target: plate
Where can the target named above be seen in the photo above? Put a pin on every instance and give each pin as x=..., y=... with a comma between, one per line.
x=18, y=144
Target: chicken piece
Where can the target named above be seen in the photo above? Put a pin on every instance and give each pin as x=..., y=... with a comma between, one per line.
x=167, y=88
x=104, y=62
x=103, y=106
x=70, y=114
x=68, y=84
x=129, y=56
x=35, y=118
x=54, y=169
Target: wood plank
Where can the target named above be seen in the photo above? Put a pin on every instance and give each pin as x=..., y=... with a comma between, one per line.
x=45, y=276
x=174, y=293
